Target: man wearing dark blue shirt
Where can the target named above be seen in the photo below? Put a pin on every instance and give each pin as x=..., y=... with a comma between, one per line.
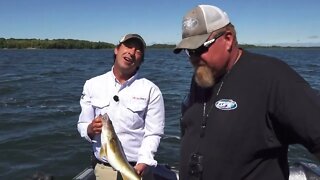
x=243, y=109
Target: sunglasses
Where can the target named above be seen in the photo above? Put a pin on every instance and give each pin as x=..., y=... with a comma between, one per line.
x=204, y=47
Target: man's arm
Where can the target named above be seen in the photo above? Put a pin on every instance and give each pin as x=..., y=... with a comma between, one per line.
x=86, y=116
x=154, y=128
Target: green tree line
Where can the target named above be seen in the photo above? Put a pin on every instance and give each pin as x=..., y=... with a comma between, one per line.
x=13, y=43
x=162, y=46
x=52, y=44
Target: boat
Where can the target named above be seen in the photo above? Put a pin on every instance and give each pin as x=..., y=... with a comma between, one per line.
x=160, y=172
x=298, y=171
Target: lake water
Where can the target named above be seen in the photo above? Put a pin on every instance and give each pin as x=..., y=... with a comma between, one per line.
x=39, y=104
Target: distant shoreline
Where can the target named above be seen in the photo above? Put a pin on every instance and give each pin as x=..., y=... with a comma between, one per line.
x=170, y=47
x=12, y=43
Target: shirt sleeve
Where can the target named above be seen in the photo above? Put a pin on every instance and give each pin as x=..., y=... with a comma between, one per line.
x=87, y=112
x=154, y=128
x=297, y=110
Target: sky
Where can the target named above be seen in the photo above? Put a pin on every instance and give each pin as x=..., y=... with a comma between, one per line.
x=268, y=22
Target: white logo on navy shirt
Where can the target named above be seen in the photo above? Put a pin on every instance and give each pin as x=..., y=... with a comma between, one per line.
x=226, y=104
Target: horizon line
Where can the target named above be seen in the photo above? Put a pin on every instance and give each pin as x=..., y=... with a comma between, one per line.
x=282, y=44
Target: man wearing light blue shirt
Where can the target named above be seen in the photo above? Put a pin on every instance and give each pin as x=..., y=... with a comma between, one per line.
x=134, y=104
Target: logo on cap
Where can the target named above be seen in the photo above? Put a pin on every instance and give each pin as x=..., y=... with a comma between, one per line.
x=226, y=104
x=190, y=23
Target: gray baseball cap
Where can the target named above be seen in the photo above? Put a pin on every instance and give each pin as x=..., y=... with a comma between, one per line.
x=198, y=24
x=130, y=36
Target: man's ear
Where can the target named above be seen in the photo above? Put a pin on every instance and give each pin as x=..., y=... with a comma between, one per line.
x=115, y=50
x=229, y=38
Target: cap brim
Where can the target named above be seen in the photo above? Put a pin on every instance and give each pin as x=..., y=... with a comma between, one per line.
x=192, y=42
x=139, y=39
x=133, y=36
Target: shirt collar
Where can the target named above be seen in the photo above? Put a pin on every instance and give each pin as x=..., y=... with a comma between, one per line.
x=128, y=82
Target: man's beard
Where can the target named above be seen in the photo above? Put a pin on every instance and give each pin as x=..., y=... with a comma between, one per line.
x=204, y=76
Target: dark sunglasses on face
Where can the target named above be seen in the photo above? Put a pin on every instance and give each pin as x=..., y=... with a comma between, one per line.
x=204, y=47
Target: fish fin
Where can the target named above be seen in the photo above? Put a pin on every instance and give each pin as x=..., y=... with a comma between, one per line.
x=103, y=151
x=124, y=177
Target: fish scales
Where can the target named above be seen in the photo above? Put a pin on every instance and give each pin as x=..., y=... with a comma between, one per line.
x=111, y=149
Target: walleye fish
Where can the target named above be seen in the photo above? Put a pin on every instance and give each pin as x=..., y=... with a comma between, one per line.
x=111, y=149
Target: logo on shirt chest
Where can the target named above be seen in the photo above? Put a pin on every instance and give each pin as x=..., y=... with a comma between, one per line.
x=138, y=98
x=226, y=104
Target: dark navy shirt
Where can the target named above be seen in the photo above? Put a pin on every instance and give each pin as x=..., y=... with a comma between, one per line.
x=262, y=107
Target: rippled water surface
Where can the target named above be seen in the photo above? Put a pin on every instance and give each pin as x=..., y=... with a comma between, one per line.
x=39, y=104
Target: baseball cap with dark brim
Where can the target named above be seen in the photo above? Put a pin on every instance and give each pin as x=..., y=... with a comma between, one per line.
x=133, y=36
x=198, y=24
